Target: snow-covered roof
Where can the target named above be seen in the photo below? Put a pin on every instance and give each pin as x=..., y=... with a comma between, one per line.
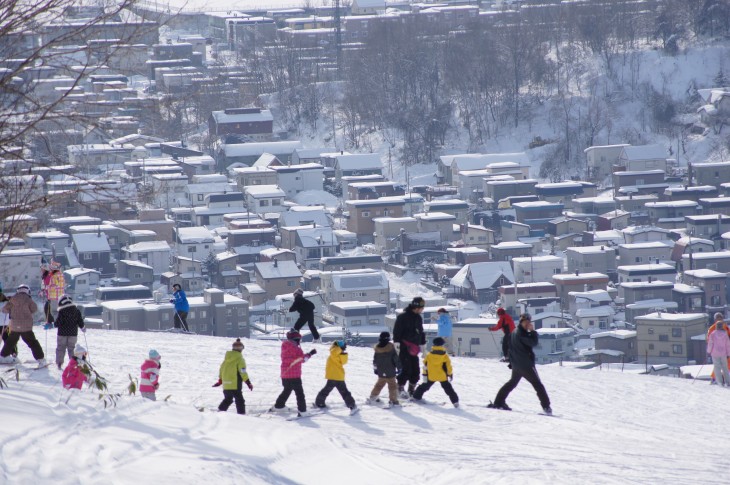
x=644, y=245
x=310, y=237
x=678, y=317
x=254, y=116
x=146, y=246
x=592, y=295
x=358, y=279
x=74, y=272
x=358, y=161
x=590, y=249
x=579, y=276
x=688, y=289
x=259, y=148
x=555, y=332
x=705, y=273
x=297, y=215
x=194, y=235
x=434, y=216
x=644, y=152
x=654, y=304
x=136, y=264
x=512, y=245
x=282, y=269
x=599, y=311
x=264, y=191
x=91, y=242
x=671, y=203
x=483, y=275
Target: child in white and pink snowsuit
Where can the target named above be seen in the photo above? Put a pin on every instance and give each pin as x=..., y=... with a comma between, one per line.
x=149, y=381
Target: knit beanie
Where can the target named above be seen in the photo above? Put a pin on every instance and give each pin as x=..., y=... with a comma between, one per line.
x=439, y=342
x=418, y=302
x=65, y=302
x=237, y=345
x=384, y=337
x=154, y=355
x=293, y=335
x=79, y=350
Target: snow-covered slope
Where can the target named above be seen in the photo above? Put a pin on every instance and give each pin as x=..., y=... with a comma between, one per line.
x=615, y=428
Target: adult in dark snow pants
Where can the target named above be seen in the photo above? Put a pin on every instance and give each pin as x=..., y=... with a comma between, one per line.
x=182, y=307
x=306, y=313
x=408, y=332
x=522, y=360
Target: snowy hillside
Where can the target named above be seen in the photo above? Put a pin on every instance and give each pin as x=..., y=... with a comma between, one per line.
x=615, y=428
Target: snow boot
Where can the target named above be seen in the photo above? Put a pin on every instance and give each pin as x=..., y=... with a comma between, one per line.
x=411, y=389
x=8, y=360
x=372, y=400
x=41, y=363
x=503, y=406
x=303, y=414
x=354, y=410
x=279, y=410
x=393, y=403
x=402, y=392
x=456, y=404
x=548, y=411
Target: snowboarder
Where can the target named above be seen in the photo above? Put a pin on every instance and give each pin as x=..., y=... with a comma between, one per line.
x=292, y=358
x=507, y=325
x=335, y=375
x=21, y=308
x=408, y=333
x=5, y=321
x=718, y=347
x=306, y=313
x=68, y=322
x=77, y=371
x=182, y=307
x=149, y=380
x=522, y=360
x=232, y=375
x=437, y=368
x=386, y=365
x=445, y=324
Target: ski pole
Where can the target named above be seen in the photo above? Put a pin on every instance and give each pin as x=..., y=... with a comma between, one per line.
x=698, y=373
x=491, y=334
x=86, y=342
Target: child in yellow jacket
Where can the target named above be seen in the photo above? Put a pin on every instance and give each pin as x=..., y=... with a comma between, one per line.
x=335, y=375
x=437, y=368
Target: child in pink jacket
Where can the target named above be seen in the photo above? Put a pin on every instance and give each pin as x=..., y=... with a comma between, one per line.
x=73, y=376
x=292, y=358
x=718, y=346
x=149, y=381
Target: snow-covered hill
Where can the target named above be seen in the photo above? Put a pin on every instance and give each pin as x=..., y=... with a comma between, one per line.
x=615, y=428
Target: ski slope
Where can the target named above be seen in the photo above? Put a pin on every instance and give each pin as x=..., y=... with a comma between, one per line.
x=614, y=428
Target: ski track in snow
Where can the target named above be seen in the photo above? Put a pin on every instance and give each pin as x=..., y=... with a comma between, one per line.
x=614, y=428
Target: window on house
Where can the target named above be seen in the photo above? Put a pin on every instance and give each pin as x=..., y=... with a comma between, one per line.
x=290, y=283
x=712, y=266
x=475, y=341
x=203, y=313
x=87, y=256
x=676, y=349
x=638, y=259
x=366, y=213
x=200, y=197
x=715, y=287
x=80, y=282
x=137, y=276
x=631, y=345
x=275, y=202
x=677, y=332
x=651, y=346
x=263, y=203
x=664, y=338
x=591, y=323
x=165, y=317
x=715, y=300
x=602, y=324
x=241, y=312
x=355, y=323
x=651, y=331
x=124, y=319
x=192, y=249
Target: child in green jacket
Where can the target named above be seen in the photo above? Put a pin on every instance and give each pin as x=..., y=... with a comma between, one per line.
x=232, y=375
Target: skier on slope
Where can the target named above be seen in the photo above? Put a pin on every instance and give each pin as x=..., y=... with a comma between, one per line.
x=77, y=371
x=718, y=347
x=232, y=375
x=68, y=322
x=437, y=368
x=522, y=360
x=335, y=375
x=182, y=307
x=507, y=325
x=292, y=358
x=21, y=308
x=306, y=313
x=408, y=332
x=719, y=318
x=149, y=380
x=386, y=365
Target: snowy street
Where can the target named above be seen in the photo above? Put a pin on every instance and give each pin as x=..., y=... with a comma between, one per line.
x=613, y=427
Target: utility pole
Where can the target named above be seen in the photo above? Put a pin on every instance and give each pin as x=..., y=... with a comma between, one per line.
x=338, y=35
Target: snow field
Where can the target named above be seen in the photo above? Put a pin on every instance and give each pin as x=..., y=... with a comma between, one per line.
x=615, y=428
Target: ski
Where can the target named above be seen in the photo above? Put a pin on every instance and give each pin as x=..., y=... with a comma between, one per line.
x=308, y=415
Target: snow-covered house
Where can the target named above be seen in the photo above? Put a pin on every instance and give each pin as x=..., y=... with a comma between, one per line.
x=480, y=282
x=349, y=164
x=130, y=272
x=194, y=242
x=601, y=158
x=367, y=7
x=596, y=318
x=20, y=266
x=620, y=343
x=277, y=277
x=311, y=244
x=93, y=251
x=262, y=199
x=168, y=190
x=154, y=253
x=81, y=281
x=358, y=316
x=643, y=157
x=537, y=268
x=555, y=345
x=196, y=192
x=355, y=285
x=300, y=215
x=293, y=179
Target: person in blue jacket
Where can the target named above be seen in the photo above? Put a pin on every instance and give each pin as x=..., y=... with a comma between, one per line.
x=182, y=307
x=443, y=319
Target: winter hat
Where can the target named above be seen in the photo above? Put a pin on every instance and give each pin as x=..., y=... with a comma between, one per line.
x=65, y=302
x=339, y=343
x=719, y=316
x=79, y=350
x=439, y=342
x=442, y=310
x=293, y=335
x=418, y=302
x=298, y=292
x=525, y=316
x=384, y=337
x=237, y=345
x=154, y=355
x=23, y=289
x=500, y=311
x=177, y=285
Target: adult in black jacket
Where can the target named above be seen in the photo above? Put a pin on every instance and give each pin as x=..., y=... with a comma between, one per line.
x=408, y=332
x=306, y=313
x=522, y=361
x=68, y=322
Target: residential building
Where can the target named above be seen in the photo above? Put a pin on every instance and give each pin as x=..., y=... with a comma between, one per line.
x=472, y=337
x=570, y=282
x=263, y=199
x=714, y=173
x=80, y=282
x=343, y=263
x=355, y=285
x=477, y=236
x=18, y=267
x=480, y=282
x=349, y=164
x=554, y=345
x=538, y=294
x=92, y=251
x=455, y=207
x=277, y=277
x=438, y=222
x=600, y=259
x=689, y=299
x=538, y=268
x=359, y=316
x=638, y=182
x=600, y=159
x=388, y=232
x=193, y=241
x=714, y=285
x=537, y=214
x=645, y=252
x=650, y=289
x=644, y=157
x=507, y=250
x=671, y=209
x=293, y=179
x=362, y=214
x=255, y=123
x=374, y=190
x=646, y=272
x=300, y=215
x=717, y=261
x=666, y=338
x=707, y=226
x=156, y=254
x=622, y=345
x=130, y=272
x=644, y=307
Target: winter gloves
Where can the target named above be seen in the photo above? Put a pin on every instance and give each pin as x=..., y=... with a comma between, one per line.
x=451, y=378
x=250, y=386
x=219, y=383
x=248, y=383
x=312, y=352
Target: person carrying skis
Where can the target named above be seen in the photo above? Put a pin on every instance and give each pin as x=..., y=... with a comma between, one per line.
x=149, y=380
x=231, y=376
x=68, y=322
x=408, y=333
x=335, y=375
x=77, y=371
x=522, y=360
x=445, y=325
x=386, y=365
x=292, y=358
x=21, y=308
x=437, y=368
x=718, y=347
x=182, y=307
x=306, y=313
x=507, y=325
